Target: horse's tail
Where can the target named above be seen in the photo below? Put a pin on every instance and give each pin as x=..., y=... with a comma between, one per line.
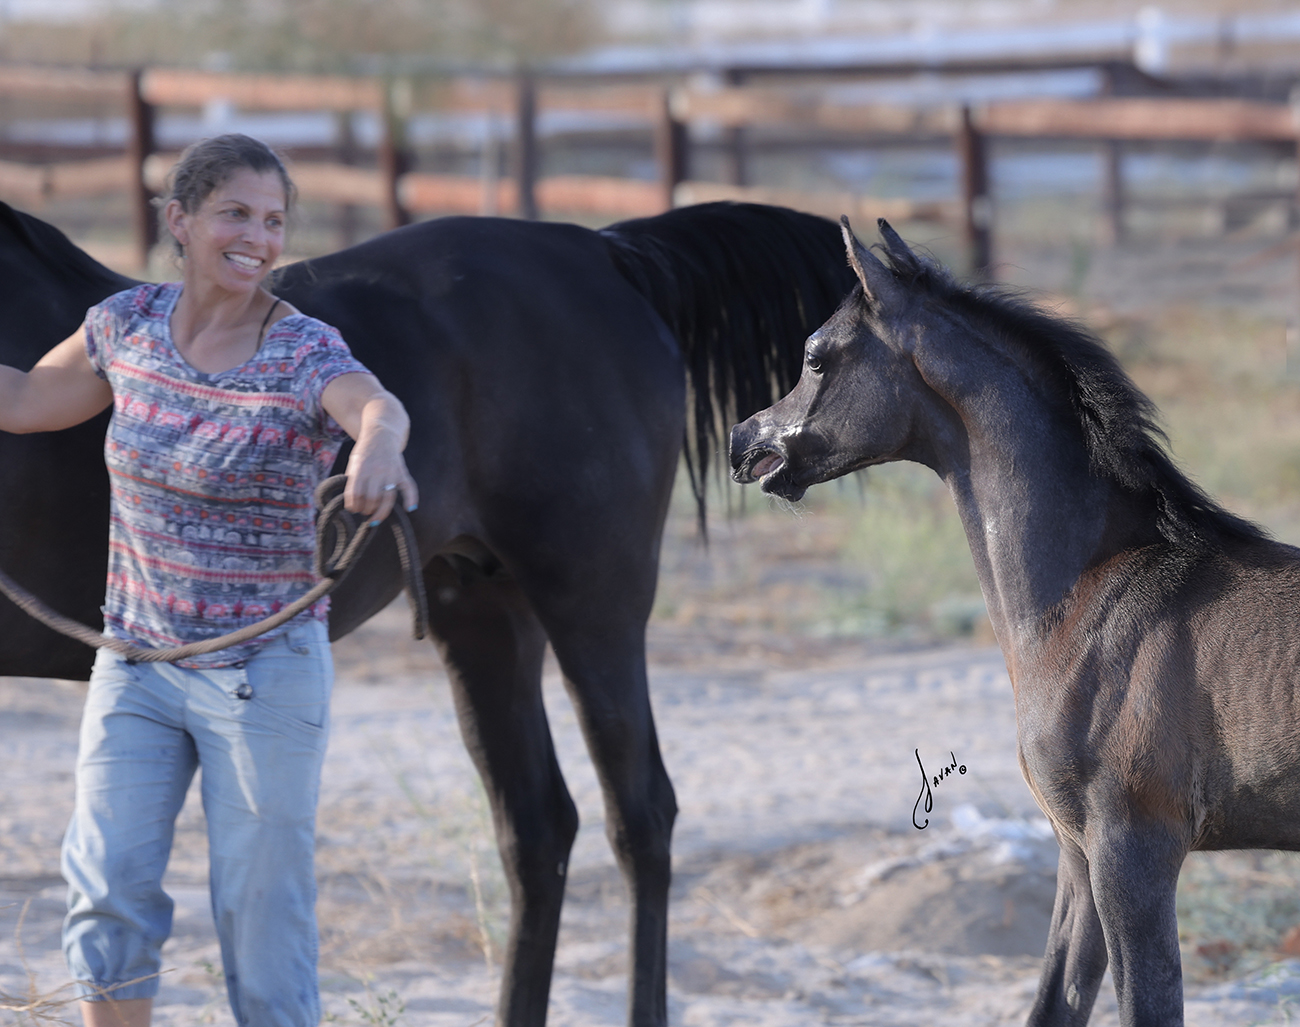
x=59, y=253
x=741, y=285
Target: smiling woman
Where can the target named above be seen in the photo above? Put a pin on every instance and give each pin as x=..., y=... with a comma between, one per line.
x=229, y=406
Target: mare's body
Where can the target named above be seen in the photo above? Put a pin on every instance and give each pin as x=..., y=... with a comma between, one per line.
x=545, y=370
x=1152, y=638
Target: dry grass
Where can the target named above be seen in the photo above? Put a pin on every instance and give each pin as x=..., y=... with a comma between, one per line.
x=37, y=1007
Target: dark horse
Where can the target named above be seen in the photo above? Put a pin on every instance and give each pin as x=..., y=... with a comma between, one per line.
x=1151, y=636
x=545, y=368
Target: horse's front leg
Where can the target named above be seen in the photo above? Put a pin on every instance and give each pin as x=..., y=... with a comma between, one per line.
x=493, y=646
x=604, y=669
x=1133, y=866
x=1075, y=961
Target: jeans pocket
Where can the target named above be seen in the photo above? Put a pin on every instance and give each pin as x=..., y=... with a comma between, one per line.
x=110, y=676
x=292, y=678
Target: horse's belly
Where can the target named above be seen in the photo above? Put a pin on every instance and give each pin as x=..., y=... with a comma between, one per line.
x=1260, y=815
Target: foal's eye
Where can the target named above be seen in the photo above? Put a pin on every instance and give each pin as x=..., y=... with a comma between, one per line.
x=814, y=362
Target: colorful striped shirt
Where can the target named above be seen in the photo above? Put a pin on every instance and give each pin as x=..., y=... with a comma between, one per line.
x=211, y=476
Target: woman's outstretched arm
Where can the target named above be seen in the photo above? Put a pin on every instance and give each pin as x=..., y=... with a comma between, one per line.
x=60, y=391
x=377, y=421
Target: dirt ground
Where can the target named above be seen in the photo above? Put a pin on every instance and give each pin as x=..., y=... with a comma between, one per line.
x=802, y=894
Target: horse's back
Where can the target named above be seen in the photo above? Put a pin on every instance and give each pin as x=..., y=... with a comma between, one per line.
x=546, y=396
x=49, y=284
x=496, y=293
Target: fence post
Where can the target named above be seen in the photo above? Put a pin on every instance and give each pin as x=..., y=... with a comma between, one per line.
x=1295, y=123
x=394, y=161
x=526, y=145
x=672, y=149
x=1112, y=183
x=1293, y=323
x=1112, y=191
x=345, y=142
x=140, y=115
x=734, y=141
x=977, y=206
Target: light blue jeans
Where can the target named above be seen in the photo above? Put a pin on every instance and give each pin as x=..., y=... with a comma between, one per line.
x=258, y=731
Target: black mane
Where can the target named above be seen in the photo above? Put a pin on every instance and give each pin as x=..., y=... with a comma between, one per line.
x=741, y=286
x=1118, y=421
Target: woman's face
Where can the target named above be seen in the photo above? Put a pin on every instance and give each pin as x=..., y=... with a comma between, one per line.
x=235, y=237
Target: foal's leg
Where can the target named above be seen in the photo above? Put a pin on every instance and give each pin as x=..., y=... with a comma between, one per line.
x=493, y=646
x=1134, y=871
x=604, y=668
x=1075, y=961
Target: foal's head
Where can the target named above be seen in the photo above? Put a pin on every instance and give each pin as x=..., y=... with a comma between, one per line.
x=860, y=395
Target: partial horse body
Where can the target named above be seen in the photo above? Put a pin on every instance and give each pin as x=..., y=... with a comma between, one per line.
x=1152, y=637
x=545, y=368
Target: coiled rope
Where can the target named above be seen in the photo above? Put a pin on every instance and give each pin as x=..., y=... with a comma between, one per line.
x=340, y=541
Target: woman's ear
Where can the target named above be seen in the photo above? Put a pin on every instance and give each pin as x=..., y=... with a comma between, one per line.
x=177, y=221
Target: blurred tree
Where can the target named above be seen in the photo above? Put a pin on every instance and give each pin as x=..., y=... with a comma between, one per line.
x=314, y=35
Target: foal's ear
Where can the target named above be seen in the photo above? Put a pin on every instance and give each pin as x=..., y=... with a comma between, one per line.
x=877, y=280
x=898, y=251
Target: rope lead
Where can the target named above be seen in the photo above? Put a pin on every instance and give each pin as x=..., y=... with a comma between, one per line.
x=337, y=534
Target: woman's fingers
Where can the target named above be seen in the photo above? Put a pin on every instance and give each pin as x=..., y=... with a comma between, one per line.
x=410, y=492
x=373, y=491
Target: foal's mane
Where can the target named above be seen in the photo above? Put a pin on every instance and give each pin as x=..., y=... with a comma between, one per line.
x=1118, y=421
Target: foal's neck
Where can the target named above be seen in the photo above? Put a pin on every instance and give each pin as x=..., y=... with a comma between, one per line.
x=1034, y=514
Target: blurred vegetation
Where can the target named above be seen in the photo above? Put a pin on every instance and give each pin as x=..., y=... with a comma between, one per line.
x=358, y=36
x=1238, y=912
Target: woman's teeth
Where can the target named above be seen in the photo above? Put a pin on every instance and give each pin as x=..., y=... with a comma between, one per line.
x=249, y=263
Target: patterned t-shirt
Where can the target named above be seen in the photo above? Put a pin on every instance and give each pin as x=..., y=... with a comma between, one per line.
x=211, y=476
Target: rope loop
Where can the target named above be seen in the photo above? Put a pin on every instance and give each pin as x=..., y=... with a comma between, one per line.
x=340, y=541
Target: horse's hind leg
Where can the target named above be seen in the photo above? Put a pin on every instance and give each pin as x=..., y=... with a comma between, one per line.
x=493, y=647
x=1075, y=961
x=604, y=669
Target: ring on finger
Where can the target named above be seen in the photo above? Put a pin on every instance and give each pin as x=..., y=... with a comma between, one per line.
x=389, y=488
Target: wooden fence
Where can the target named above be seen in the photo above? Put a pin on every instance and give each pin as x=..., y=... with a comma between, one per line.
x=402, y=193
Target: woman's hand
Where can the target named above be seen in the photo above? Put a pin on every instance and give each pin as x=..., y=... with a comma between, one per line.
x=60, y=391
x=377, y=421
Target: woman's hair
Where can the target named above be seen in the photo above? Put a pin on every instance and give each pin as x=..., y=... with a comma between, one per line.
x=210, y=162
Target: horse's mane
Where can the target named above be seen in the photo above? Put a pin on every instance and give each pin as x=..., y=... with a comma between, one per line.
x=1118, y=421
x=47, y=244
x=741, y=286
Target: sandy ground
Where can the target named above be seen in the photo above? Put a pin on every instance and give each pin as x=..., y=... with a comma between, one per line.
x=802, y=894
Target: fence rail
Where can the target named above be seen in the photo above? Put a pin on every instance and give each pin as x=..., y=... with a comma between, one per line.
x=669, y=111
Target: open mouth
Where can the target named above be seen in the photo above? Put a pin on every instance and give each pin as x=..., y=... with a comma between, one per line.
x=766, y=464
x=758, y=464
x=244, y=263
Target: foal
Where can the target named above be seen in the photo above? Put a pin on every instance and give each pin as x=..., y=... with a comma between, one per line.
x=1152, y=638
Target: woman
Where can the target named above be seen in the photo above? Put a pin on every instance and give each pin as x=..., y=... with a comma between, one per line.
x=229, y=407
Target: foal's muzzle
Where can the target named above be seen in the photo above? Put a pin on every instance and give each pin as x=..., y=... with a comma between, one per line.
x=753, y=458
